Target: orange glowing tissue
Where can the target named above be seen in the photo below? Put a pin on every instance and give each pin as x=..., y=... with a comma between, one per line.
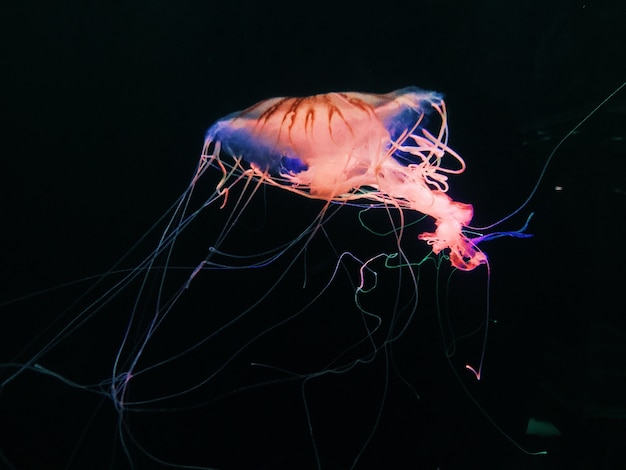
x=348, y=147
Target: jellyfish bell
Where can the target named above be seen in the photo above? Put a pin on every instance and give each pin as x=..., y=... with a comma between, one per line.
x=342, y=147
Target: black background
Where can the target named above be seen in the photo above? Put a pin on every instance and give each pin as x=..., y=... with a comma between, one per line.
x=104, y=109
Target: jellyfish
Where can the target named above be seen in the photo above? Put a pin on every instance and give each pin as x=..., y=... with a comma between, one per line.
x=375, y=153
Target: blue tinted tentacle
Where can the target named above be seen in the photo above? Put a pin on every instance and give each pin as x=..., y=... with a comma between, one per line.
x=521, y=233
